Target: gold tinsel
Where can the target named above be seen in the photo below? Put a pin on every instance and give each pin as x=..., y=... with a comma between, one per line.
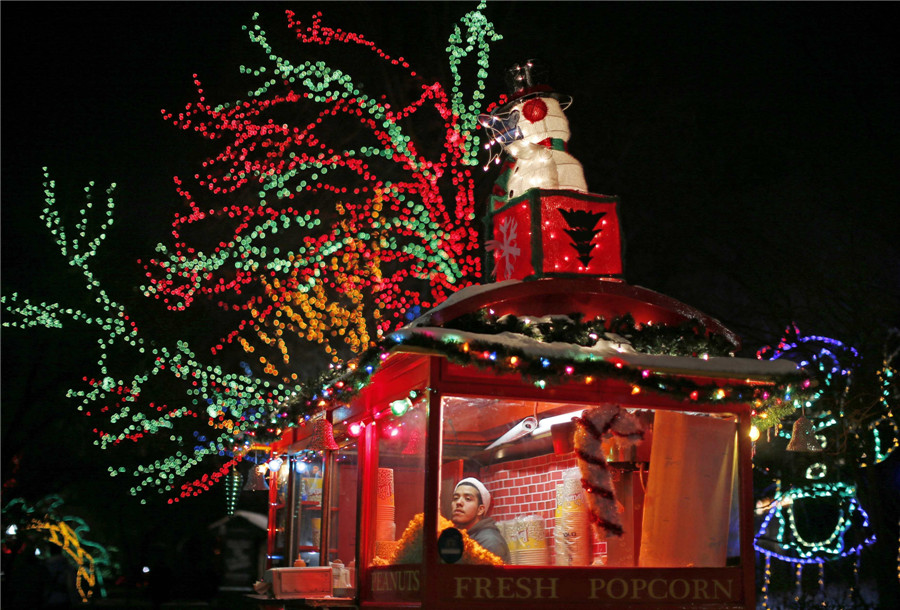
x=409, y=547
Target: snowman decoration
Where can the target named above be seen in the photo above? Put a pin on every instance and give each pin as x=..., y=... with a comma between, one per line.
x=532, y=128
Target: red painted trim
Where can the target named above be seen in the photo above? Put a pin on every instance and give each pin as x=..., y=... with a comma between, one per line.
x=368, y=464
x=469, y=381
x=433, y=448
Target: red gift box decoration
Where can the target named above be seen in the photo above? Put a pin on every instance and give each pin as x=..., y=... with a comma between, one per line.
x=546, y=233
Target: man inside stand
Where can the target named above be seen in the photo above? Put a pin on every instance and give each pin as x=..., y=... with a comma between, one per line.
x=471, y=502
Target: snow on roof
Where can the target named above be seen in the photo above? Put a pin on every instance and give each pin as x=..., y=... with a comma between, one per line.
x=608, y=350
x=456, y=297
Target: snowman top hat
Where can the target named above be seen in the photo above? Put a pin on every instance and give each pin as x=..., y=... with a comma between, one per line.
x=527, y=80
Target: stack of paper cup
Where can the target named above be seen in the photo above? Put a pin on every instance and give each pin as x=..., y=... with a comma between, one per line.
x=385, y=527
x=571, y=536
x=532, y=542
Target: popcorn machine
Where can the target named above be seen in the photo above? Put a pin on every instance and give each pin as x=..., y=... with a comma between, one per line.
x=604, y=492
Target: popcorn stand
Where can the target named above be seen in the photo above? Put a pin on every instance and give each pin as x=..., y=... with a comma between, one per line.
x=609, y=425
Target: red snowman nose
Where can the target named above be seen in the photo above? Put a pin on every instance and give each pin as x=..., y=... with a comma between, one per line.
x=534, y=110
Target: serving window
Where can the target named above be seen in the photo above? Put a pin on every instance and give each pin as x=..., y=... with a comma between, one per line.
x=399, y=482
x=674, y=484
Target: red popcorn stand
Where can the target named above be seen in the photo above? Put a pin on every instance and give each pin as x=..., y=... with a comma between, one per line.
x=619, y=475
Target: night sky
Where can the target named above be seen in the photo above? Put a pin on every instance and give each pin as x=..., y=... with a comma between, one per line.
x=754, y=148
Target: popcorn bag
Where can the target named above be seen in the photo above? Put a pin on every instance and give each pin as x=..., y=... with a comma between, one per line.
x=532, y=541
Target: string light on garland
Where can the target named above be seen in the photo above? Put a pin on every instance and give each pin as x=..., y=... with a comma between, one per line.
x=494, y=346
x=400, y=407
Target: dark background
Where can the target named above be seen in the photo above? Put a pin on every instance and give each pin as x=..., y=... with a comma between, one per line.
x=753, y=146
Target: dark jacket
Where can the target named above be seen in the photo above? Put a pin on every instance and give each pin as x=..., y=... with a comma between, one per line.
x=486, y=534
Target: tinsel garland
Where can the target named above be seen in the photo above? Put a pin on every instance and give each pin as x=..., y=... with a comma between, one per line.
x=409, y=546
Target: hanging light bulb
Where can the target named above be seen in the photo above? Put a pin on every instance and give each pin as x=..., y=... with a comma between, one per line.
x=400, y=407
x=275, y=464
x=803, y=436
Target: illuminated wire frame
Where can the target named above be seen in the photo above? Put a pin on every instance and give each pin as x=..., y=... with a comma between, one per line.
x=233, y=483
x=88, y=579
x=884, y=431
x=779, y=537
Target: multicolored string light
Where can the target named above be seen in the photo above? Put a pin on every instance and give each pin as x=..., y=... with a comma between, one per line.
x=822, y=358
x=832, y=364
x=484, y=342
x=310, y=239
x=223, y=401
x=348, y=224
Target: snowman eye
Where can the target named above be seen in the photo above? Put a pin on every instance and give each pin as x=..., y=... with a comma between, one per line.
x=534, y=110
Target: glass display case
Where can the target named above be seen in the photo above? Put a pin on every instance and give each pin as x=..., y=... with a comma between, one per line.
x=598, y=494
x=280, y=488
x=313, y=498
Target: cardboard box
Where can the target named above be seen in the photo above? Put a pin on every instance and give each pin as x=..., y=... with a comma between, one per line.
x=289, y=583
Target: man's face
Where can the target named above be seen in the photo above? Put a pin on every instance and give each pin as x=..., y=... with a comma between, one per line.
x=466, y=508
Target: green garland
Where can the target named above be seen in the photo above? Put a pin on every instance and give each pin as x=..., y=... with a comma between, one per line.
x=481, y=350
x=689, y=338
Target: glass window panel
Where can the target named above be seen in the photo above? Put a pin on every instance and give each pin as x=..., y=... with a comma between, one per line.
x=279, y=511
x=342, y=529
x=524, y=454
x=400, y=483
x=395, y=573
